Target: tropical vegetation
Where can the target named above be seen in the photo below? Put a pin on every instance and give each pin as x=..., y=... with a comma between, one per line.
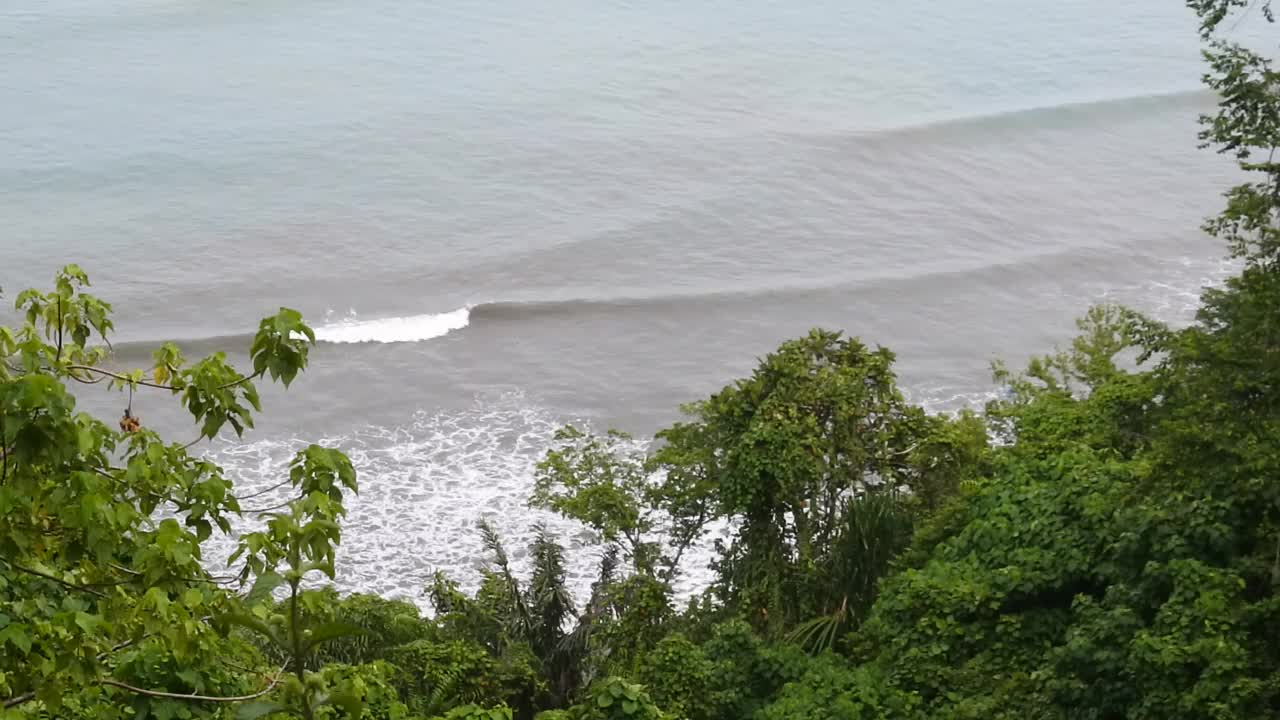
x=1101, y=542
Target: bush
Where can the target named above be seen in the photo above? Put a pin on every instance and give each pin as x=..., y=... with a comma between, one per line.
x=613, y=698
x=435, y=677
x=833, y=690
x=371, y=684
x=746, y=671
x=679, y=675
x=475, y=712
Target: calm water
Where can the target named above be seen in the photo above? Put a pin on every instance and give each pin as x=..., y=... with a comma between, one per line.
x=505, y=216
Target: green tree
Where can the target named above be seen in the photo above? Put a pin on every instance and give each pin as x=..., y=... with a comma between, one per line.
x=819, y=423
x=650, y=506
x=507, y=616
x=105, y=604
x=294, y=544
x=1121, y=559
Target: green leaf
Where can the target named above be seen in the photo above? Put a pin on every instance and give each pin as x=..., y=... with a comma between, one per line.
x=348, y=701
x=258, y=709
x=16, y=635
x=88, y=622
x=630, y=706
x=604, y=700
x=190, y=677
x=263, y=586
x=249, y=622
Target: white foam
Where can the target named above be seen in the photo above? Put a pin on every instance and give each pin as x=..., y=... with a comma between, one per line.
x=935, y=399
x=423, y=487
x=1173, y=290
x=413, y=328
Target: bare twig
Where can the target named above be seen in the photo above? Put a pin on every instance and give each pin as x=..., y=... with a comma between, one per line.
x=85, y=381
x=674, y=565
x=269, y=508
x=212, y=579
x=121, y=646
x=158, y=386
x=260, y=493
x=18, y=699
x=118, y=376
x=198, y=698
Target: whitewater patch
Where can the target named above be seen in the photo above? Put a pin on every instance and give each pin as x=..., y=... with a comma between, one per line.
x=413, y=328
x=424, y=487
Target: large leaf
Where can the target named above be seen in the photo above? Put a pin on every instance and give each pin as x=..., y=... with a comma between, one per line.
x=263, y=586
x=259, y=709
x=254, y=624
x=333, y=631
x=347, y=701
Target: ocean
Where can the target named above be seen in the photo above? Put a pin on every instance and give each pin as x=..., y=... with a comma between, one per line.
x=502, y=217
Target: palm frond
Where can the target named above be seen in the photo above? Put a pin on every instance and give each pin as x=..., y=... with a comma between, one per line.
x=819, y=634
x=493, y=543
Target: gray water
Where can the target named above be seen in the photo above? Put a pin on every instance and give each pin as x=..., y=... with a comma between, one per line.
x=505, y=216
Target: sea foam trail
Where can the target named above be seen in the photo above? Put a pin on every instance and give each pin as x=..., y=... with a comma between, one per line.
x=414, y=328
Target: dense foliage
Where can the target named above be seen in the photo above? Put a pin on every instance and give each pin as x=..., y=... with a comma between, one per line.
x=1101, y=542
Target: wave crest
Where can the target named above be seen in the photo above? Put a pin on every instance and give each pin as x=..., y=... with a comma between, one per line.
x=413, y=328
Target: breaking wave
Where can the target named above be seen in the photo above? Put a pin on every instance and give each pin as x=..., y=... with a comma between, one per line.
x=414, y=328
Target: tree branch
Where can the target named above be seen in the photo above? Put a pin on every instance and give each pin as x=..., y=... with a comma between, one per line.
x=145, y=383
x=269, y=508
x=114, y=479
x=30, y=695
x=688, y=539
x=198, y=698
x=250, y=496
x=86, y=381
x=59, y=328
x=60, y=581
x=18, y=699
x=212, y=579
